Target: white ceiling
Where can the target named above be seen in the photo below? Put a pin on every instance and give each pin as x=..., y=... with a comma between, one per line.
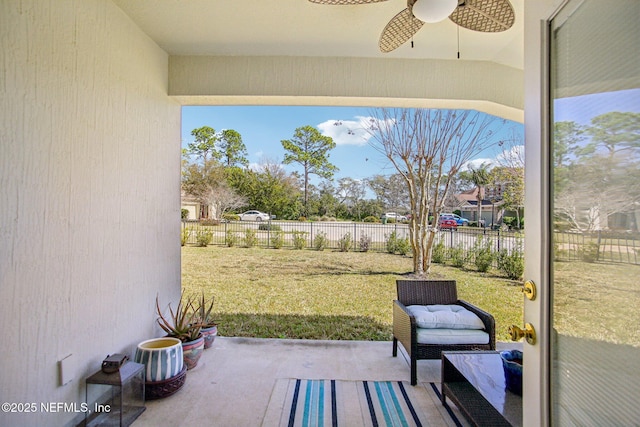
x=301, y=28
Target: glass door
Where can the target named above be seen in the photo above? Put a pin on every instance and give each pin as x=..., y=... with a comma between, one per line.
x=594, y=224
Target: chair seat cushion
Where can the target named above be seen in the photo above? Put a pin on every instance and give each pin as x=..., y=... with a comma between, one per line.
x=444, y=317
x=452, y=336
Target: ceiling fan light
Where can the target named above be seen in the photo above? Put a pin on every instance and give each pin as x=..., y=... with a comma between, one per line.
x=432, y=11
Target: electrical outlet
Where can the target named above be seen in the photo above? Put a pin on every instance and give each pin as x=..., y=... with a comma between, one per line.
x=66, y=370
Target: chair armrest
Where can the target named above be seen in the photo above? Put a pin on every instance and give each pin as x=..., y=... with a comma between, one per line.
x=487, y=319
x=404, y=327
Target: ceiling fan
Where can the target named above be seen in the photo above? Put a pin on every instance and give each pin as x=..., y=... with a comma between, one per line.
x=488, y=16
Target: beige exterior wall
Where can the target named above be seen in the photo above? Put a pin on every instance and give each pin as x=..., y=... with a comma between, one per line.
x=89, y=195
x=428, y=83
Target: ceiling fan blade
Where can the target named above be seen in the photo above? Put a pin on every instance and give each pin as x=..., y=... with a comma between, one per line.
x=345, y=2
x=400, y=29
x=487, y=16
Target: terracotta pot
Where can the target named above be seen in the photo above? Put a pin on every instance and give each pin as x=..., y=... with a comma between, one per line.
x=209, y=335
x=191, y=351
x=162, y=357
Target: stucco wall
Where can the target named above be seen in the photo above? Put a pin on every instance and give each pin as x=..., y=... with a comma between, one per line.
x=426, y=83
x=89, y=195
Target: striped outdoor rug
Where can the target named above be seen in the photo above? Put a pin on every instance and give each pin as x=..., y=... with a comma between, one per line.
x=308, y=403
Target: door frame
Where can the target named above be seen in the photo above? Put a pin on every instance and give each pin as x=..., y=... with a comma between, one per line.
x=537, y=391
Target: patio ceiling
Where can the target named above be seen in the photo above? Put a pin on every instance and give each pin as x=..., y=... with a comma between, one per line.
x=301, y=28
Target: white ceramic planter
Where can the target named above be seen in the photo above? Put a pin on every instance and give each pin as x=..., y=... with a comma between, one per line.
x=162, y=358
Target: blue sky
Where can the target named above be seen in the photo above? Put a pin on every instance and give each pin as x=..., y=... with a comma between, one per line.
x=263, y=127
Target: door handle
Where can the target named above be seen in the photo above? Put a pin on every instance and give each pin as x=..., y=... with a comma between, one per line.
x=529, y=333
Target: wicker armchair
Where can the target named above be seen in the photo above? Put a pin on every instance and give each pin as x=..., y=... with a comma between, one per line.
x=429, y=292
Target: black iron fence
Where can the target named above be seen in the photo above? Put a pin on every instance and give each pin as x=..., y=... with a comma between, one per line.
x=358, y=236
x=603, y=246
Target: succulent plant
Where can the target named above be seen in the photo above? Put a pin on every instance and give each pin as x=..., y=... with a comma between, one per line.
x=182, y=323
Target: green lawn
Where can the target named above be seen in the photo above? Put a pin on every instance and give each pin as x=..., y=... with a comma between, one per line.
x=288, y=293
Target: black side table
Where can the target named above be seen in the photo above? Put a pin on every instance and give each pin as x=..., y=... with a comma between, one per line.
x=115, y=399
x=474, y=381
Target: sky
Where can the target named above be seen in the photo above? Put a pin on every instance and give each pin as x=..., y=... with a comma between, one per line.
x=263, y=127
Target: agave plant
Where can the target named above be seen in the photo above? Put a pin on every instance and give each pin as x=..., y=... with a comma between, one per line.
x=204, y=312
x=182, y=323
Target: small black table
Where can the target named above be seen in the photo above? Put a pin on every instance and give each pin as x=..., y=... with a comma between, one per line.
x=474, y=381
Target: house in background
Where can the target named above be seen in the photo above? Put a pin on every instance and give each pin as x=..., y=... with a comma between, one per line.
x=196, y=210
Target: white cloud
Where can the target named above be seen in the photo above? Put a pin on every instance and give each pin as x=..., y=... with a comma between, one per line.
x=475, y=163
x=514, y=156
x=347, y=132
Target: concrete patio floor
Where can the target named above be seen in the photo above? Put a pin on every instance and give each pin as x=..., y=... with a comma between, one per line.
x=234, y=380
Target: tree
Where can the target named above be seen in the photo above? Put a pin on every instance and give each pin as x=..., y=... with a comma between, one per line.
x=511, y=179
x=351, y=192
x=428, y=148
x=480, y=178
x=310, y=149
x=232, y=149
x=615, y=132
x=267, y=188
x=390, y=191
x=205, y=181
x=600, y=177
x=509, y=174
x=204, y=145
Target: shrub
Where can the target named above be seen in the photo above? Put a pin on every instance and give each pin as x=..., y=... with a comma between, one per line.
x=365, y=242
x=314, y=218
x=483, y=254
x=204, y=237
x=184, y=236
x=392, y=242
x=277, y=239
x=231, y=238
x=302, y=219
x=439, y=253
x=511, y=264
x=209, y=222
x=299, y=239
x=391, y=220
x=458, y=256
x=320, y=241
x=328, y=218
x=265, y=226
x=231, y=216
x=250, y=238
x=345, y=243
x=371, y=219
x=184, y=214
x=402, y=246
x=588, y=252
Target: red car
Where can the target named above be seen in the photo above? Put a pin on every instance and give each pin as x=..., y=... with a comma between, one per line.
x=445, y=222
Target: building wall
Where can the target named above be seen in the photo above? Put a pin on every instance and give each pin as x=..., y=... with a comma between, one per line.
x=89, y=196
x=376, y=82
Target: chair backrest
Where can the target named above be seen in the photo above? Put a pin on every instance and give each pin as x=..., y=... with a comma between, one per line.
x=427, y=292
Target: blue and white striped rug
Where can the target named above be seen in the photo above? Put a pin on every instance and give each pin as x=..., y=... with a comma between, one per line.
x=315, y=403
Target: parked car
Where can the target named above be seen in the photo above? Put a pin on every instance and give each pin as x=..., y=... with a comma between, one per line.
x=254, y=216
x=457, y=218
x=393, y=215
x=447, y=222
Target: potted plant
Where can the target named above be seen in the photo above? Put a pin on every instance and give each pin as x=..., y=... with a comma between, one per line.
x=209, y=327
x=184, y=325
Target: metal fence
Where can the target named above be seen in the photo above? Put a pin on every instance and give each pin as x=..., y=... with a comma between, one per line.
x=568, y=246
x=363, y=236
x=604, y=246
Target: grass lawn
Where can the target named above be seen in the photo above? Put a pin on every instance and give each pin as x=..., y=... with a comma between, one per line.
x=286, y=293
